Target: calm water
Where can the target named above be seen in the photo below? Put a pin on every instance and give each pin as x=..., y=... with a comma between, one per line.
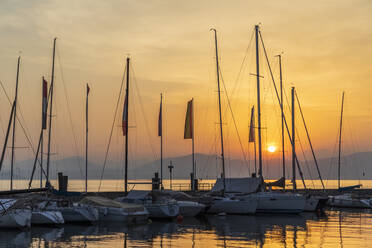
x=117, y=185
x=334, y=229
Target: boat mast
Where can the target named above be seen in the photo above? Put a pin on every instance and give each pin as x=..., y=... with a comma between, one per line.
x=219, y=107
x=339, y=142
x=192, y=146
x=14, y=125
x=282, y=113
x=42, y=132
x=126, y=136
x=258, y=104
x=86, y=139
x=41, y=157
x=160, y=132
x=293, y=141
x=51, y=111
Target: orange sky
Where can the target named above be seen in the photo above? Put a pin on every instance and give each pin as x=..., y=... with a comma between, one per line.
x=326, y=49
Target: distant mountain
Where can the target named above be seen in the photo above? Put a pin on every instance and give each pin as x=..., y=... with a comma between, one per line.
x=353, y=166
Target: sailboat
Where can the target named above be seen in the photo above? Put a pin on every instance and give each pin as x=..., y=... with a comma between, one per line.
x=70, y=211
x=13, y=214
x=268, y=201
x=42, y=216
x=346, y=200
x=114, y=211
x=227, y=204
x=158, y=207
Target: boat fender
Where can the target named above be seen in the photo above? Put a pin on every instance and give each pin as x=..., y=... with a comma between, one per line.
x=179, y=219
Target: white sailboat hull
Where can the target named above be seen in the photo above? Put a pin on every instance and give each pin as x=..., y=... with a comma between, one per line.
x=16, y=218
x=45, y=217
x=346, y=201
x=139, y=217
x=78, y=213
x=163, y=210
x=311, y=204
x=112, y=214
x=189, y=208
x=248, y=205
x=270, y=202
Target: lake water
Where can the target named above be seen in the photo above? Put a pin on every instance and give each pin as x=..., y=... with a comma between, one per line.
x=118, y=185
x=346, y=228
x=333, y=229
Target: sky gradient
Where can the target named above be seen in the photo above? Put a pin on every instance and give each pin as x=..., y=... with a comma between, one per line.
x=326, y=48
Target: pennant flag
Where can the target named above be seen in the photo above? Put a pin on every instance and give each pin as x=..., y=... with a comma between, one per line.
x=189, y=124
x=125, y=116
x=44, y=104
x=251, y=127
x=160, y=121
x=88, y=89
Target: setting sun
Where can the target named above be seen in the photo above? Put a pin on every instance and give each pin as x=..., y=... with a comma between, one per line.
x=271, y=148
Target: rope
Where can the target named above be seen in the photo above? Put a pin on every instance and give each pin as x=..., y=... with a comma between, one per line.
x=112, y=128
x=308, y=137
x=143, y=113
x=69, y=114
x=233, y=118
x=19, y=122
x=306, y=161
x=277, y=95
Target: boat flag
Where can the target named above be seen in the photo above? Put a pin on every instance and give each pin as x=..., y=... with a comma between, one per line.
x=125, y=116
x=160, y=121
x=44, y=104
x=251, y=127
x=188, y=134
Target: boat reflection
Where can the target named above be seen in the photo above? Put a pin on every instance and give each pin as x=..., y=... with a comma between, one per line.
x=343, y=229
x=14, y=238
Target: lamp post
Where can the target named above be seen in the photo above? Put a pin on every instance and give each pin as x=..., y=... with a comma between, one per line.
x=170, y=167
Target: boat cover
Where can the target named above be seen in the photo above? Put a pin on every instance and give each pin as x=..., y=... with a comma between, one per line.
x=6, y=204
x=278, y=183
x=105, y=202
x=238, y=185
x=341, y=189
x=138, y=194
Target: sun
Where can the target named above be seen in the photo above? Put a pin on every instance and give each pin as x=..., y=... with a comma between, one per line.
x=271, y=149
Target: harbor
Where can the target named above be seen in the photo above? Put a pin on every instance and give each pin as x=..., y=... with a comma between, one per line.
x=185, y=124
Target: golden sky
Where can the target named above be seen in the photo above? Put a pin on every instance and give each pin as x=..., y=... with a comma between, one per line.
x=326, y=49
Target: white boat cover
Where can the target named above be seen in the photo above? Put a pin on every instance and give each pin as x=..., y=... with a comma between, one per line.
x=238, y=185
x=6, y=204
x=105, y=202
x=138, y=194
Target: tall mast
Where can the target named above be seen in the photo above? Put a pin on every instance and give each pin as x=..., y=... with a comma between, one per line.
x=293, y=141
x=126, y=136
x=282, y=114
x=193, y=143
x=14, y=125
x=51, y=109
x=41, y=158
x=86, y=139
x=42, y=132
x=161, y=138
x=339, y=142
x=219, y=107
x=258, y=103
